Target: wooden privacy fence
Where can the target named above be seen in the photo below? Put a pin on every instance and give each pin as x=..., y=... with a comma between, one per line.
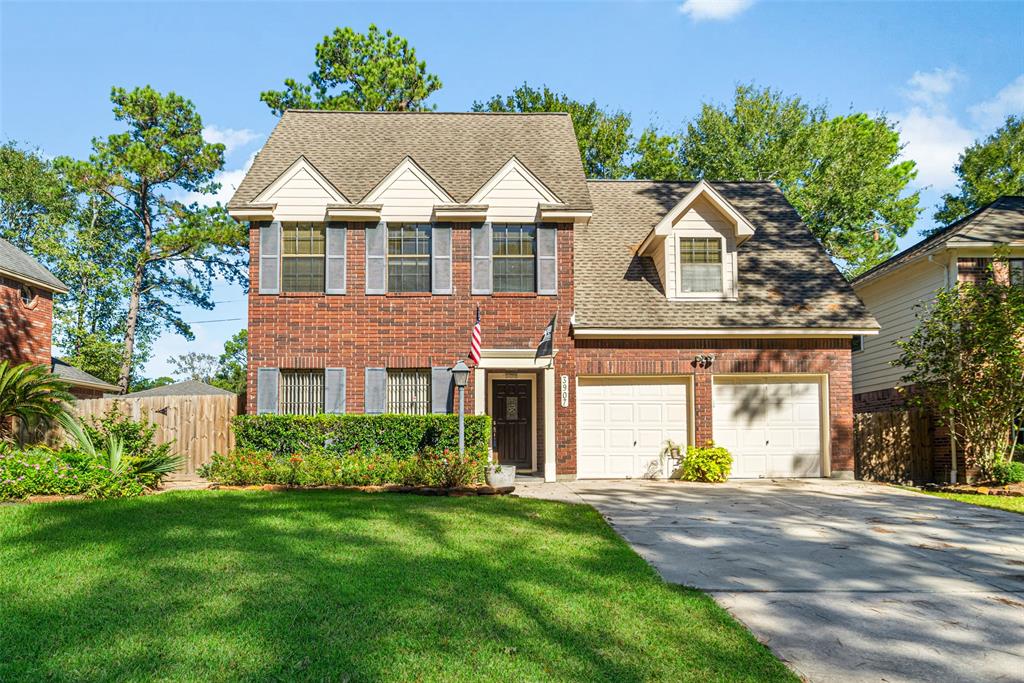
x=199, y=426
x=893, y=446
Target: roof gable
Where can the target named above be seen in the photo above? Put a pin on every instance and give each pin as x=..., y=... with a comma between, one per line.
x=408, y=178
x=514, y=177
x=701, y=190
x=17, y=265
x=300, y=179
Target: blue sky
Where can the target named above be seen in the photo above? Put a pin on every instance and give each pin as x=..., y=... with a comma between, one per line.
x=947, y=71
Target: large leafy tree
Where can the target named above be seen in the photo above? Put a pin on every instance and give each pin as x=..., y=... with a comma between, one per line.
x=843, y=174
x=603, y=135
x=231, y=368
x=35, y=201
x=967, y=357
x=354, y=71
x=173, y=250
x=987, y=170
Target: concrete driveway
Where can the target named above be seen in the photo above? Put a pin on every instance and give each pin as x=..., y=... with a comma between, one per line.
x=844, y=581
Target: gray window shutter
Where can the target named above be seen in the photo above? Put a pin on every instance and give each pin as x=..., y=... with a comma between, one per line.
x=547, y=262
x=375, y=391
x=270, y=258
x=337, y=250
x=482, y=282
x=377, y=258
x=441, y=259
x=441, y=383
x=267, y=380
x=334, y=390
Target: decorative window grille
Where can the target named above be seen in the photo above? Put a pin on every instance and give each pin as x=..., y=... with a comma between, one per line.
x=302, y=257
x=408, y=258
x=302, y=392
x=515, y=258
x=700, y=264
x=409, y=392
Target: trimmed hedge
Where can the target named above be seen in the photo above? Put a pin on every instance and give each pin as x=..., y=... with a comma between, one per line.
x=400, y=436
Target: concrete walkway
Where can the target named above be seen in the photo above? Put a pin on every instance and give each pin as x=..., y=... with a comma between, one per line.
x=845, y=581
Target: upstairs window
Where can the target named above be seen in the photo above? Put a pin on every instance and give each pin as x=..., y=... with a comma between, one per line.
x=1017, y=272
x=408, y=258
x=515, y=258
x=302, y=392
x=700, y=265
x=409, y=392
x=302, y=257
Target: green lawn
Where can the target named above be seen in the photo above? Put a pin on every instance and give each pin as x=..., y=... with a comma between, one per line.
x=322, y=585
x=1010, y=503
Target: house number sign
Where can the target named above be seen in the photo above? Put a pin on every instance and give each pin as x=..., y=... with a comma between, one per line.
x=565, y=391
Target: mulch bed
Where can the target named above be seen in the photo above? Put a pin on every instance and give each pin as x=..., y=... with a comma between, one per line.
x=1011, y=490
x=458, y=491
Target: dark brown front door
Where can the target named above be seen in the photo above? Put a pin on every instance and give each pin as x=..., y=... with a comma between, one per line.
x=511, y=417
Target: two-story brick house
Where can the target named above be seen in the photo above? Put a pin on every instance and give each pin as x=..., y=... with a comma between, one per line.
x=684, y=311
x=27, y=289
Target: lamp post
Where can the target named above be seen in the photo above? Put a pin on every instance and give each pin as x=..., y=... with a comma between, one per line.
x=460, y=373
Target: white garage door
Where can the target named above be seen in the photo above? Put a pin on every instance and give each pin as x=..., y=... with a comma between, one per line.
x=772, y=428
x=623, y=424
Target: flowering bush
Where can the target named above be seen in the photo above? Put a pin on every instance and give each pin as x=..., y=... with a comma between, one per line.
x=710, y=464
x=442, y=469
x=42, y=471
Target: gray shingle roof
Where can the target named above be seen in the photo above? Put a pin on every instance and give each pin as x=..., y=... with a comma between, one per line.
x=785, y=278
x=186, y=388
x=76, y=376
x=1001, y=221
x=19, y=265
x=460, y=151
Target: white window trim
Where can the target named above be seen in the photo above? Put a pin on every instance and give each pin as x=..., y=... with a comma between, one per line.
x=729, y=279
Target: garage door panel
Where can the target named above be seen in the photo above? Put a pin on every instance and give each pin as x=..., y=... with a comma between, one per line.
x=772, y=426
x=635, y=417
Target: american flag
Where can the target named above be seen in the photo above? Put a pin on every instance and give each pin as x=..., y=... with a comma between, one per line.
x=474, y=344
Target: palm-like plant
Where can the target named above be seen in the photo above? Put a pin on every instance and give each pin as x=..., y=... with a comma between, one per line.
x=30, y=393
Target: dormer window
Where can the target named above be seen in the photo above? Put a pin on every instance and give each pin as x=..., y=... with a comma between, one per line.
x=700, y=265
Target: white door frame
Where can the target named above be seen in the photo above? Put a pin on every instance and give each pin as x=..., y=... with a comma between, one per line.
x=821, y=378
x=522, y=376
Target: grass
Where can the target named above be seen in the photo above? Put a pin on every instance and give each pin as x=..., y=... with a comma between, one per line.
x=322, y=585
x=1011, y=503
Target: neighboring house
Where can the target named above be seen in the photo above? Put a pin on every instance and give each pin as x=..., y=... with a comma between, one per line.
x=685, y=311
x=26, y=319
x=963, y=251
x=189, y=387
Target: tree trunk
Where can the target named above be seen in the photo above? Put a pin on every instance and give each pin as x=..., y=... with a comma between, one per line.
x=132, y=323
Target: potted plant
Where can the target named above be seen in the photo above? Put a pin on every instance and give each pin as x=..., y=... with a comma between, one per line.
x=499, y=475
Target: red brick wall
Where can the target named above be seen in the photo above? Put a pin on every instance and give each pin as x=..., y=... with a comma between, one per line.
x=739, y=356
x=25, y=330
x=356, y=331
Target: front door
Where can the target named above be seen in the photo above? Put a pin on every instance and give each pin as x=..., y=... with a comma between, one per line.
x=511, y=417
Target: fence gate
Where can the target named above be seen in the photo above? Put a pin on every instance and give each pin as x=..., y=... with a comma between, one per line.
x=198, y=426
x=893, y=446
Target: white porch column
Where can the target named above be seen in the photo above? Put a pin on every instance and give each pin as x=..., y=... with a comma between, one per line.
x=479, y=391
x=549, y=423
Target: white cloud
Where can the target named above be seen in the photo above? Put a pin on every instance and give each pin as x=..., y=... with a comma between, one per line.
x=991, y=114
x=714, y=10
x=931, y=88
x=229, y=182
x=934, y=140
x=231, y=138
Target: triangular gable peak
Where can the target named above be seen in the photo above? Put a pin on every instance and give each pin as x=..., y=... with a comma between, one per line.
x=701, y=191
x=301, y=179
x=514, y=177
x=408, y=179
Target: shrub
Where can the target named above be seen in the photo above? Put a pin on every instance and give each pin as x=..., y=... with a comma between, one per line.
x=710, y=464
x=149, y=461
x=1005, y=472
x=42, y=471
x=397, y=435
x=444, y=469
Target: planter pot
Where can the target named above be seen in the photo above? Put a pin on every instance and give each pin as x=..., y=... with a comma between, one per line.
x=506, y=476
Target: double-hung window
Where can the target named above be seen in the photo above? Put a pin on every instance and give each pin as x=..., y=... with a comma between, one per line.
x=409, y=258
x=408, y=392
x=302, y=392
x=515, y=257
x=700, y=265
x=1017, y=272
x=302, y=257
